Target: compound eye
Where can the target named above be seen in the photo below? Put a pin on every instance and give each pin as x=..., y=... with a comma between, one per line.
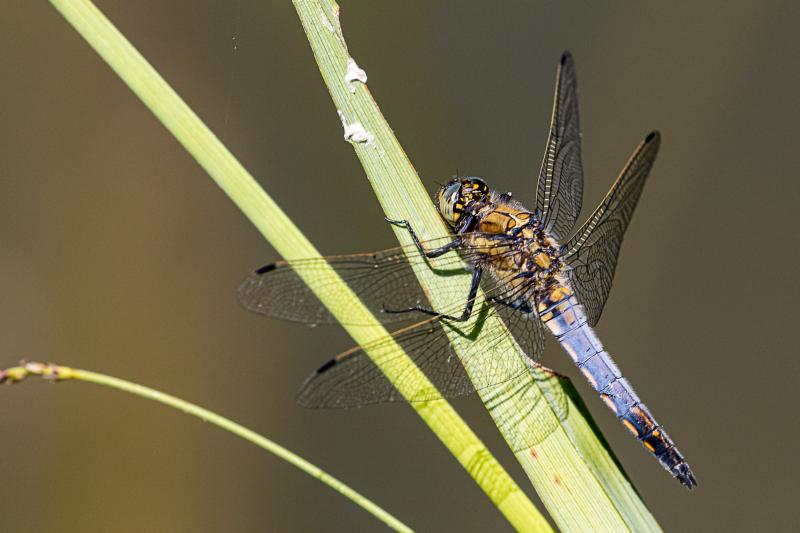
x=449, y=204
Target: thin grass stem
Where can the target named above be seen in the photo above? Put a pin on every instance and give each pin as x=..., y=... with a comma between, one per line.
x=62, y=373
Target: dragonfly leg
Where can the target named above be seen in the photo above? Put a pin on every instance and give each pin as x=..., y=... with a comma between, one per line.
x=430, y=254
x=547, y=370
x=465, y=314
x=518, y=305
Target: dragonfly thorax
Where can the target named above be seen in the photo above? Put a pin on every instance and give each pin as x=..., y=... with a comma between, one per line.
x=539, y=260
x=514, y=246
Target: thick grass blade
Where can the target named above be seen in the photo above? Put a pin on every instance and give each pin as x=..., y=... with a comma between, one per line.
x=573, y=472
x=287, y=239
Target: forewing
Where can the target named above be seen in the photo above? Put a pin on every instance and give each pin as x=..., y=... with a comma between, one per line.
x=382, y=280
x=592, y=252
x=351, y=379
x=559, y=192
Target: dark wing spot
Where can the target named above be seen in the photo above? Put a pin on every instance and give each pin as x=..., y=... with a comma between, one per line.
x=326, y=366
x=266, y=268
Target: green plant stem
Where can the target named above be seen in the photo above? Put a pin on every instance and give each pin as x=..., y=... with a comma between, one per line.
x=568, y=464
x=286, y=238
x=62, y=373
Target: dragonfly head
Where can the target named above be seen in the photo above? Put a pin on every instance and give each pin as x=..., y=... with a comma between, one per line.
x=460, y=196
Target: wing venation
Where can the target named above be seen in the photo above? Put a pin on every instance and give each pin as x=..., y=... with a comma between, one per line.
x=559, y=192
x=592, y=253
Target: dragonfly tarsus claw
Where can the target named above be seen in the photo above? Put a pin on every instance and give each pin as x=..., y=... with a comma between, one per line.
x=396, y=222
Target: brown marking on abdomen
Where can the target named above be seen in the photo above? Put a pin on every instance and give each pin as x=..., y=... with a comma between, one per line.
x=631, y=427
x=609, y=402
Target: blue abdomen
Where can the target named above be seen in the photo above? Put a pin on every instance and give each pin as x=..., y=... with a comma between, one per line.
x=565, y=318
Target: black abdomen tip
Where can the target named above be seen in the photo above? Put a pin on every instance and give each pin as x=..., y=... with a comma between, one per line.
x=566, y=56
x=685, y=475
x=652, y=135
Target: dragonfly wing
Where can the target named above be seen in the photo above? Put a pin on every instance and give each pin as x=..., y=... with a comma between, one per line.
x=559, y=192
x=592, y=252
x=381, y=280
x=351, y=379
x=516, y=312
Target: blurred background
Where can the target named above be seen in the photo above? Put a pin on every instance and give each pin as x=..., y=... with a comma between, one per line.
x=119, y=254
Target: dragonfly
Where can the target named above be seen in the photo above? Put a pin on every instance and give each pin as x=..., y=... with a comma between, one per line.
x=532, y=268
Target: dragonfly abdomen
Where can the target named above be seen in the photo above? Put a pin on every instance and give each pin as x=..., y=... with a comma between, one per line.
x=566, y=320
